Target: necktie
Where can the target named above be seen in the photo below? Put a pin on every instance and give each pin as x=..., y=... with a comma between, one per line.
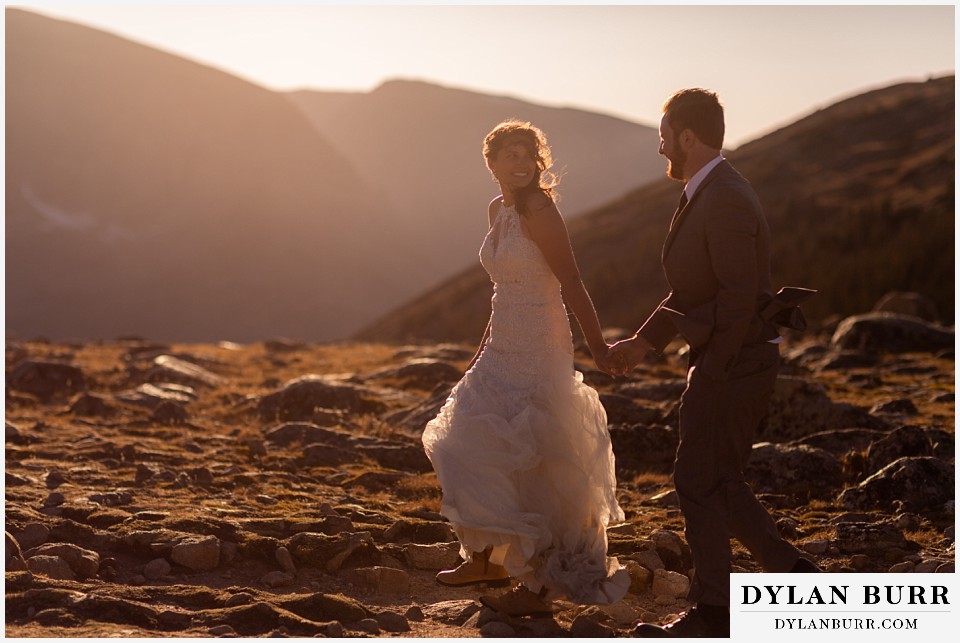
x=676, y=215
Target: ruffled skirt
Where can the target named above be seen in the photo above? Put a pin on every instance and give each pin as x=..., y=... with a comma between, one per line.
x=529, y=471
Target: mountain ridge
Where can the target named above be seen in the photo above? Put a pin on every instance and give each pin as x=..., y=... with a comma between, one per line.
x=856, y=174
x=152, y=195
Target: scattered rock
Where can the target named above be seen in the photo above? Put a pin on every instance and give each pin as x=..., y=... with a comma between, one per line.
x=816, y=547
x=168, y=412
x=587, y=626
x=46, y=379
x=670, y=584
x=640, y=576
x=325, y=607
x=167, y=368
x=907, y=522
x=651, y=559
x=392, y=622
x=841, y=441
x=157, y=568
x=345, y=500
x=298, y=398
x=877, y=540
x=56, y=617
x=278, y=579
x=891, y=333
x=673, y=550
x=918, y=482
x=54, y=479
x=153, y=395
x=433, y=557
x=285, y=559
x=197, y=553
x=906, y=441
x=14, y=555
x=895, y=407
x=453, y=612
x=497, y=629
x=801, y=407
x=793, y=469
x=83, y=562
x=415, y=418
x=908, y=303
x=89, y=405
x=423, y=373
x=368, y=625
x=284, y=345
x=641, y=447
x=330, y=552
x=51, y=566
x=861, y=562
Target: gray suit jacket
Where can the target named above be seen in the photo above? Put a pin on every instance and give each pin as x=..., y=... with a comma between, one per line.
x=717, y=262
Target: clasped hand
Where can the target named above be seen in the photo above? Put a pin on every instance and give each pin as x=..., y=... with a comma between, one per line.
x=623, y=356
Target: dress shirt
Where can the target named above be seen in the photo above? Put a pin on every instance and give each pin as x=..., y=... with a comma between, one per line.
x=691, y=187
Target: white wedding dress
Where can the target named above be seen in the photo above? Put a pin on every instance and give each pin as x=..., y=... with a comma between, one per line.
x=521, y=447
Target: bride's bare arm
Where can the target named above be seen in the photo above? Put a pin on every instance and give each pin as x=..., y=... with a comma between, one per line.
x=547, y=229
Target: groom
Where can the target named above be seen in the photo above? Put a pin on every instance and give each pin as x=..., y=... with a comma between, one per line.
x=717, y=262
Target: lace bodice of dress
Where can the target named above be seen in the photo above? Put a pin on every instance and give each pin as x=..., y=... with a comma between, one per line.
x=530, y=331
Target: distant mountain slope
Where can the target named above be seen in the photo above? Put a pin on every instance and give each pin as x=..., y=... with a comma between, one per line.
x=151, y=195
x=147, y=194
x=419, y=145
x=859, y=196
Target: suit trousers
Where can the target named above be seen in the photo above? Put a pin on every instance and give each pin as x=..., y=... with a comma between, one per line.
x=718, y=423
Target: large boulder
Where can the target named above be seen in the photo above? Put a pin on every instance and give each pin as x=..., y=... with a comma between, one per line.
x=800, y=407
x=46, y=379
x=907, y=484
x=800, y=469
x=877, y=540
x=167, y=368
x=841, y=441
x=891, y=333
x=906, y=441
x=424, y=374
x=153, y=396
x=299, y=398
x=641, y=447
x=415, y=418
x=332, y=447
x=908, y=303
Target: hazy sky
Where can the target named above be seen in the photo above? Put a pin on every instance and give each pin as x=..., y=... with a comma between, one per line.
x=770, y=64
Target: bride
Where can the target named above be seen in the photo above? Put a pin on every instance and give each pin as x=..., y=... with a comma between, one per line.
x=521, y=447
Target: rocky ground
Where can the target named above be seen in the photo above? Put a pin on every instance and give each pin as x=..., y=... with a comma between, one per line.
x=279, y=488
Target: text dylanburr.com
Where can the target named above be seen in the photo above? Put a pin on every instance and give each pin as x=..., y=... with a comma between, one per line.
x=843, y=607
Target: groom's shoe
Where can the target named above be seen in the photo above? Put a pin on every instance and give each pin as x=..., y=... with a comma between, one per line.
x=804, y=565
x=702, y=621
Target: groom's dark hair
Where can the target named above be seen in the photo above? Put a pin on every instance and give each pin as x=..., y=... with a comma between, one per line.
x=698, y=110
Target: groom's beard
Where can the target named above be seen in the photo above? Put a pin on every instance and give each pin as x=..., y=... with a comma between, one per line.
x=675, y=164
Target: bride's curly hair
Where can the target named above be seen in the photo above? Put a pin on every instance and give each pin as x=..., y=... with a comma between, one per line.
x=531, y=137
